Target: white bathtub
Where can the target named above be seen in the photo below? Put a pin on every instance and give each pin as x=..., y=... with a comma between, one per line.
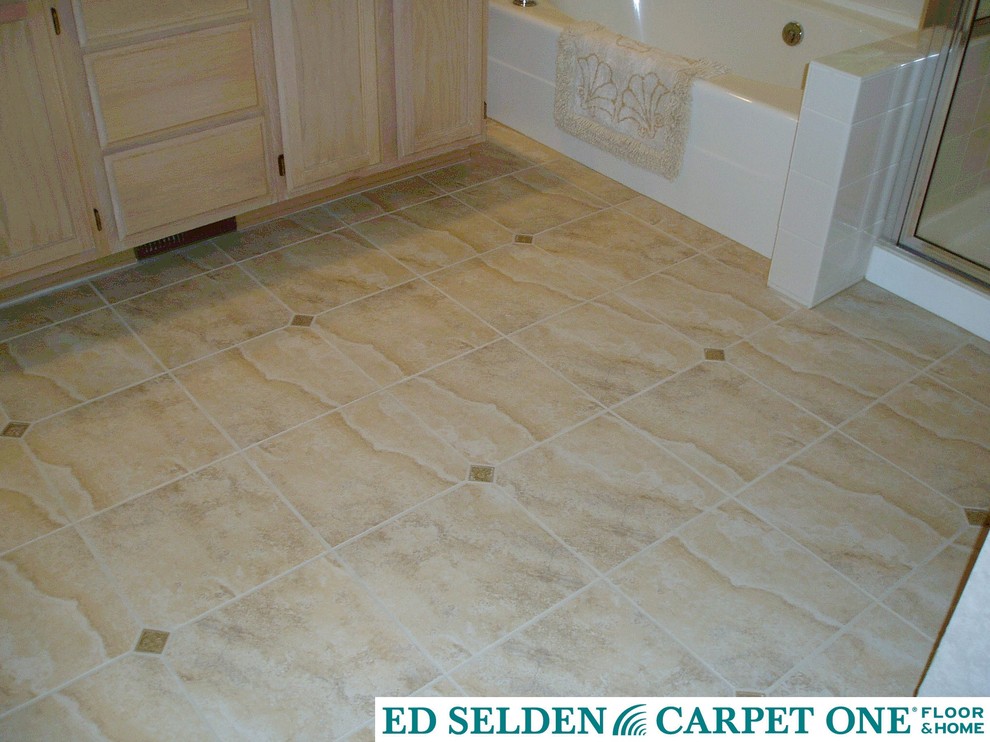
x=743, y=124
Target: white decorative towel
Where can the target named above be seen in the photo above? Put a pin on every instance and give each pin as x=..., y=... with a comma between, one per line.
x=625, y=97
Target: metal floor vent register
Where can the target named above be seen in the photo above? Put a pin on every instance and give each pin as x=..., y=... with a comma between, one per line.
x=189, y=237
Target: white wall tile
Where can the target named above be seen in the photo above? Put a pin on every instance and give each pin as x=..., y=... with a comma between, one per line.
x=874, y=95
x=820, y=147
x=808, y=208
x=831, y=92
x=864, y=149
x=794, y=268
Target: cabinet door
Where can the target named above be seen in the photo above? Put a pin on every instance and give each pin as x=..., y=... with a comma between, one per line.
x=326, y=72
x=439, y=71
x=43, y=213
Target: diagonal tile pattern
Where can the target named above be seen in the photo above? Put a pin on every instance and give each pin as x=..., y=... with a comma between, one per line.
x=503, y=428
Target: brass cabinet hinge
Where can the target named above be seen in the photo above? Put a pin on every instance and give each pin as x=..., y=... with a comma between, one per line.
x=99, y=220
x=56, y=22
x=281, y=165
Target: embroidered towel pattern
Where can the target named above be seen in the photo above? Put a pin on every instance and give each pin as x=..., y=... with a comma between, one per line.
x=625, y=97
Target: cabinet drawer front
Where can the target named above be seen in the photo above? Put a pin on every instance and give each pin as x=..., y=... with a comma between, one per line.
x=101, y=19
x=180, y=80
x=193, y=175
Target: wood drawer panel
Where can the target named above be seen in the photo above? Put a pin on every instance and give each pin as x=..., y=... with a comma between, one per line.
x=192, y=175
x=101, y=19
x=152, y=87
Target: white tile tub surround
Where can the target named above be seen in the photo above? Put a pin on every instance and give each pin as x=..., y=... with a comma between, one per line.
x=732, y=178
x=852, y=136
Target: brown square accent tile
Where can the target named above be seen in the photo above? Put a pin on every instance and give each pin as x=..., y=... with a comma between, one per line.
x=302, y=320
x=714, y=354
x=750, y=694
x=525, y=239
x=152, y=641
x=974, y=516
x=15, y=430
x=481, y=474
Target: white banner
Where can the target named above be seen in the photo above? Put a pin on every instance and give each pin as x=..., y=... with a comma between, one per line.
x=434, y=719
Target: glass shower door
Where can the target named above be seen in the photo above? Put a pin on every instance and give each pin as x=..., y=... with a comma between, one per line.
x=951, y=222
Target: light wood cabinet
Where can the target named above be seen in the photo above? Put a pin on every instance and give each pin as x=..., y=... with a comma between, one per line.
x=45, y=217
x=161, y=117
x=439, y=72
x=366, y=85
x=326, y=67
x=182, y=100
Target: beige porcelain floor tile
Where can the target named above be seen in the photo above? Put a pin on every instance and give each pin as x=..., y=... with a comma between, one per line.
x=262, y=238
x=381, y=200
x=31, y=314
x=189, y=320
x=605, y=490
x=28, y=506
x=434, y=234
x=317, y=219
x=934, y=433
x=273, y=382
x=897, y=326
x=515, y=286
x=974, y=536
x=60, y=615
x=531, y=201
x=707, y=300
x=134, y=699
x=612, y=247
x=863, y=516
x=327, y=271
x=878, y=655
x=464, y=570
x=403, y=331
x=609, y=348
x=442, y=688
x=518, y=144
x=189, y=546
x=60, y=366
x=364, y=734
x=589, y=180
x=924, y=598
x=821, y=367
x=494, y=402
x=108, y=450
x=968, y=371
x=596, y=644
x=741, y=595
x=674, y=223
x=485, y=161
x=722, y=423
x=302, y=658
x=351, y=470
x=159, y=271
x=742, y=258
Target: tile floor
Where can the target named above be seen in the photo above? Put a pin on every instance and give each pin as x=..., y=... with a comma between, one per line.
x=275, y=447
